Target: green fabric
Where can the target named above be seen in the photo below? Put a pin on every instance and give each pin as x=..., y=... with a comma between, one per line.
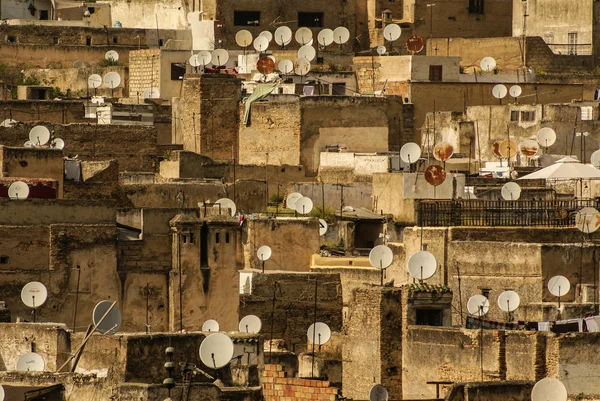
x=261, y=91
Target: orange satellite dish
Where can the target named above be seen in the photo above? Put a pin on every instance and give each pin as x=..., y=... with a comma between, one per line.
x=435, y=175
x=265, y=65
x=443, y=151
x=415, y=44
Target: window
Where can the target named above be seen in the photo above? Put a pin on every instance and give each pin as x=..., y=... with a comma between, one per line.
x=56, y=40
x=11, y=39
x=44, y=15
x=338, y=89
x=429, y=317
x=177, y=71
x=160, y=42
x=310, y=19
x=435, y=73
x=227, y=238
x=527, y=116
x=191, y=238
x=217, y=238
x=3, y=260
x=246, y=18
x=88, y=40
x=572, y=43
x=476, y=6
x=184, y=237
x=514, y=115
x=587, y=113
x=115, y=39
x=485, y=292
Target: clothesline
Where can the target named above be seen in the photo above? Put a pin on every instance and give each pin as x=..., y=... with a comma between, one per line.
x=588, y=324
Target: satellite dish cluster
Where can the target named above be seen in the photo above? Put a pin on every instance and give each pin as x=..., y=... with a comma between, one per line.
x=301, y=204
x=435, y=175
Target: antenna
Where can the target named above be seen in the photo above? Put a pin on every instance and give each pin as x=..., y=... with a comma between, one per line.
x=341, y=35
x=28, y=144
x=2, y=394
x=216, y=350
x=487, y=64
x=112, y=317
x=443, y=151
x=250, y=324
x=381, y=50
x=18, y=190
x=78, y=64
x=261, y=43
x=112, y=80
x=301, y=66
x=303, y=205
x=546, y=137
x=283, y=36
x=31, y=362
x=265, y=65
x=57, y=143
x=422, y=265
x=39, y=135
x=285, y=66
x=94, y=81
x=267, y=34
x=204, y=57
x=291, y=199
x=529, y=147
x=378, y=393
x=210, y=325
x=478, y=305
x=303, y=36
x=549, y=389
x=559, y=286
x=508, y=148
x=509, y=301
x=264, y=254
x=152, y=93
x=435, y=175
x=511, y=191
x=595, y=159
x=8, y=123
x=220, y=57
x=515, y=91
x=587, y=220
x=111, y=55
x=322, y=227
x=381, y=257
x=499, y=92
x=243, y=38
x=193, y=60
x=33, y=295
x=319, y=333
x=410, y=152
x=325, y=37
x=308, y=52
x=415, y=44
x=227, y=204
x=391, y=33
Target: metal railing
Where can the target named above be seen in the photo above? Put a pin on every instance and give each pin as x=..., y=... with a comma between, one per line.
x=489, y=213
x=566, y=49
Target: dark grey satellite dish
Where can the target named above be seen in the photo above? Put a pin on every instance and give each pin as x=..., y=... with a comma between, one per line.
x=112, y=322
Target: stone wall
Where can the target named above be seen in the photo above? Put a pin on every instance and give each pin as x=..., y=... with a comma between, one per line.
x=277, y=387
x=64, y=112
x=356, y=195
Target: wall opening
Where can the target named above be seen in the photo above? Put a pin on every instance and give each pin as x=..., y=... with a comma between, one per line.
x=310, y=19
x=204, y=246
x=246, y=18
x=429, y=317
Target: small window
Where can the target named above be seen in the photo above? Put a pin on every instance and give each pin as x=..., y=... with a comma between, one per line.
x=227, y=238
x=91, y=10
x=514, y=115
x=88, y=40
x=476, y=7
x=587, y=113
x=527, y=116
x=3, y=259
x=338, y=89
x=44, y=15
x=429, y=317
x=485, y=292
x=160, y=43
x=115, y=39
x=11, y=39
x=435, y=73
x=184, y=238
x=246, y=18
x=217, y=238
x=310, y=19
x=177, y=71
x=56, y=40
x=191, y=238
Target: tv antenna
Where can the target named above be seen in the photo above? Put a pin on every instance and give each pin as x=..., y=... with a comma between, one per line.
x=79, y=64
x=341, y=35
x=57, y=143
x=488, y=64
x=325, y=38
x=285, y=66
x=587, y=220
x=508, y=149
x=243, y=39
x=220, y=57
x=391, y=33
x=378, y=393
x=478, y=305
x=112, y=80
x=94, y=81
x=210, y=325
x=410, y=152
x=303, y=36
x=499, y=92
x=267, y=34
x=549, y=389
x=511, y=191
x=509, y=301
x=434, y=175
x=443, y=151
x=261, y=43
x=2, y=394
x=595, y=159
x=107, y=317
x=529, y=147
x=18, y=190
x=301, y=66
x=381, y=50
x=28, y=144
x=381, y=257
x=322, y=227
x=291, y=200
x=559, y=286
x=31, y=362
x=216, y=350
x=227, y=204
x=204, y=58
x=283, y=36
x=415, y=44
x=303, y=205
x=250, y=324
x=546, y=137
x=33, y=295
x=111, y=55
x=152, y=93
x=264, y=254
x=39, y=135
x=308, y=52
x=515, y=91
x=8, y=123
x=422, y=265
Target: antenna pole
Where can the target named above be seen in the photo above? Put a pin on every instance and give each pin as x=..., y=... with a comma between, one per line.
x=272, y=320
x=481, y=340
x=147, y=306
x=78, y=268
x=33, y=301
x=459, y=295
x=312, y=374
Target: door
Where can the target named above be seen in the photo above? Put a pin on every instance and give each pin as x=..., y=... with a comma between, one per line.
x=572, y=43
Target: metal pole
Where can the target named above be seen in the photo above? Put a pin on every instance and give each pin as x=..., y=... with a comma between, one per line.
x=147, y=305
x=312, y=374
x=78, y=268
x=272, y=320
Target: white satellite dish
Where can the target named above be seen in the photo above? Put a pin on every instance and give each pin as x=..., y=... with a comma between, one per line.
x=18, y=190
x=511, y=191
x=79, y=64
x=243, y=38
x=291, y=199
x=204, y=57
x=112, y=80
x=308, y=52
x=529, y=147
x=499, y=91
x=226, y=203
x=422, y=265
x=261, y=43
x=2, y=394
x=559, y=286
x=57, y=143
x=34, y=294
x=152, y=93
x=111, y=55
x=283, y=35
x=210, y=325
x=220, y=57
x=410, y=152
x=488, y=63
x=264, y=253
x=392, y=32
x=478, y=305
x=515, y=91
x=39, y=135
x=112, y=322
x=586, y=220
x=193, y=60
x=28, y=144
x=378, y=393
x=267, y=34
x=341, y=35
x=595, y=159
x=8, y=123
x=381, y=50
x=381, y=257
x=31, y=362
x=216, y=350
x=303, y=205
x=509, y=301
x=549, y=389
x=301, y=66
x=250, y=324
x=286, y=66
x=322, y=227
x=303, y=35
x=546, y=137
x=94, y=81
x=325, y=37
x=319, y=333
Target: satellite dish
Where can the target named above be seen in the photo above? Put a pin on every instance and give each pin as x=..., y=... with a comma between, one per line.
x=28, y=144
x=243, y=38
x=94, y=81
x=34, y=294
x=549, y=389
x=443, y=151
x=587, y=220
x=18, y=190
x=410, y=152
x=499, y=91
x=78, y=64
x=220, y=57
x=303, y=35
x=285, y=66
x=250, y=324
x=226, y=203
x=422, y=265
x=152, y=93
x=112, y=80
x=509, y=301
x=301, y=66
x=261, y=43
x=496, y=149
x=325, y=37
x=595, y=159
x=204, y=57
x=210, y=325
x=264, y=253
x=319, y=333
x=378, y=393
x=488, y=63
x=515, y=91
x=381, y=257
x=193, y=60
x=392, y=32
x=267, y=34
x=381, y=50
x=216, y=350
x=39, y=135
x=341, y=35
x=111, y=55
x=303, y=205
x=511, y=191
x=508, y=148
x=265, y=65
x=308, y=52
x=415, y=44
x=546, y=137
x=322, y=227
x=529, y=147
x=57, y=143
x=283, y=35
x=559, y=286
x=112, y=322
x=291, y=199
x=31, y=362
x=478, y=305
x=8, y=123
x=2, y=394
x=435, y=175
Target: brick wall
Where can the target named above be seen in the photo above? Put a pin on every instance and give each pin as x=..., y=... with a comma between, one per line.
x=144, y=71
x=277, y=387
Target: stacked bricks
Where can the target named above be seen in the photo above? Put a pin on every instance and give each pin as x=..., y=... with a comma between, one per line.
x=277, y=387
